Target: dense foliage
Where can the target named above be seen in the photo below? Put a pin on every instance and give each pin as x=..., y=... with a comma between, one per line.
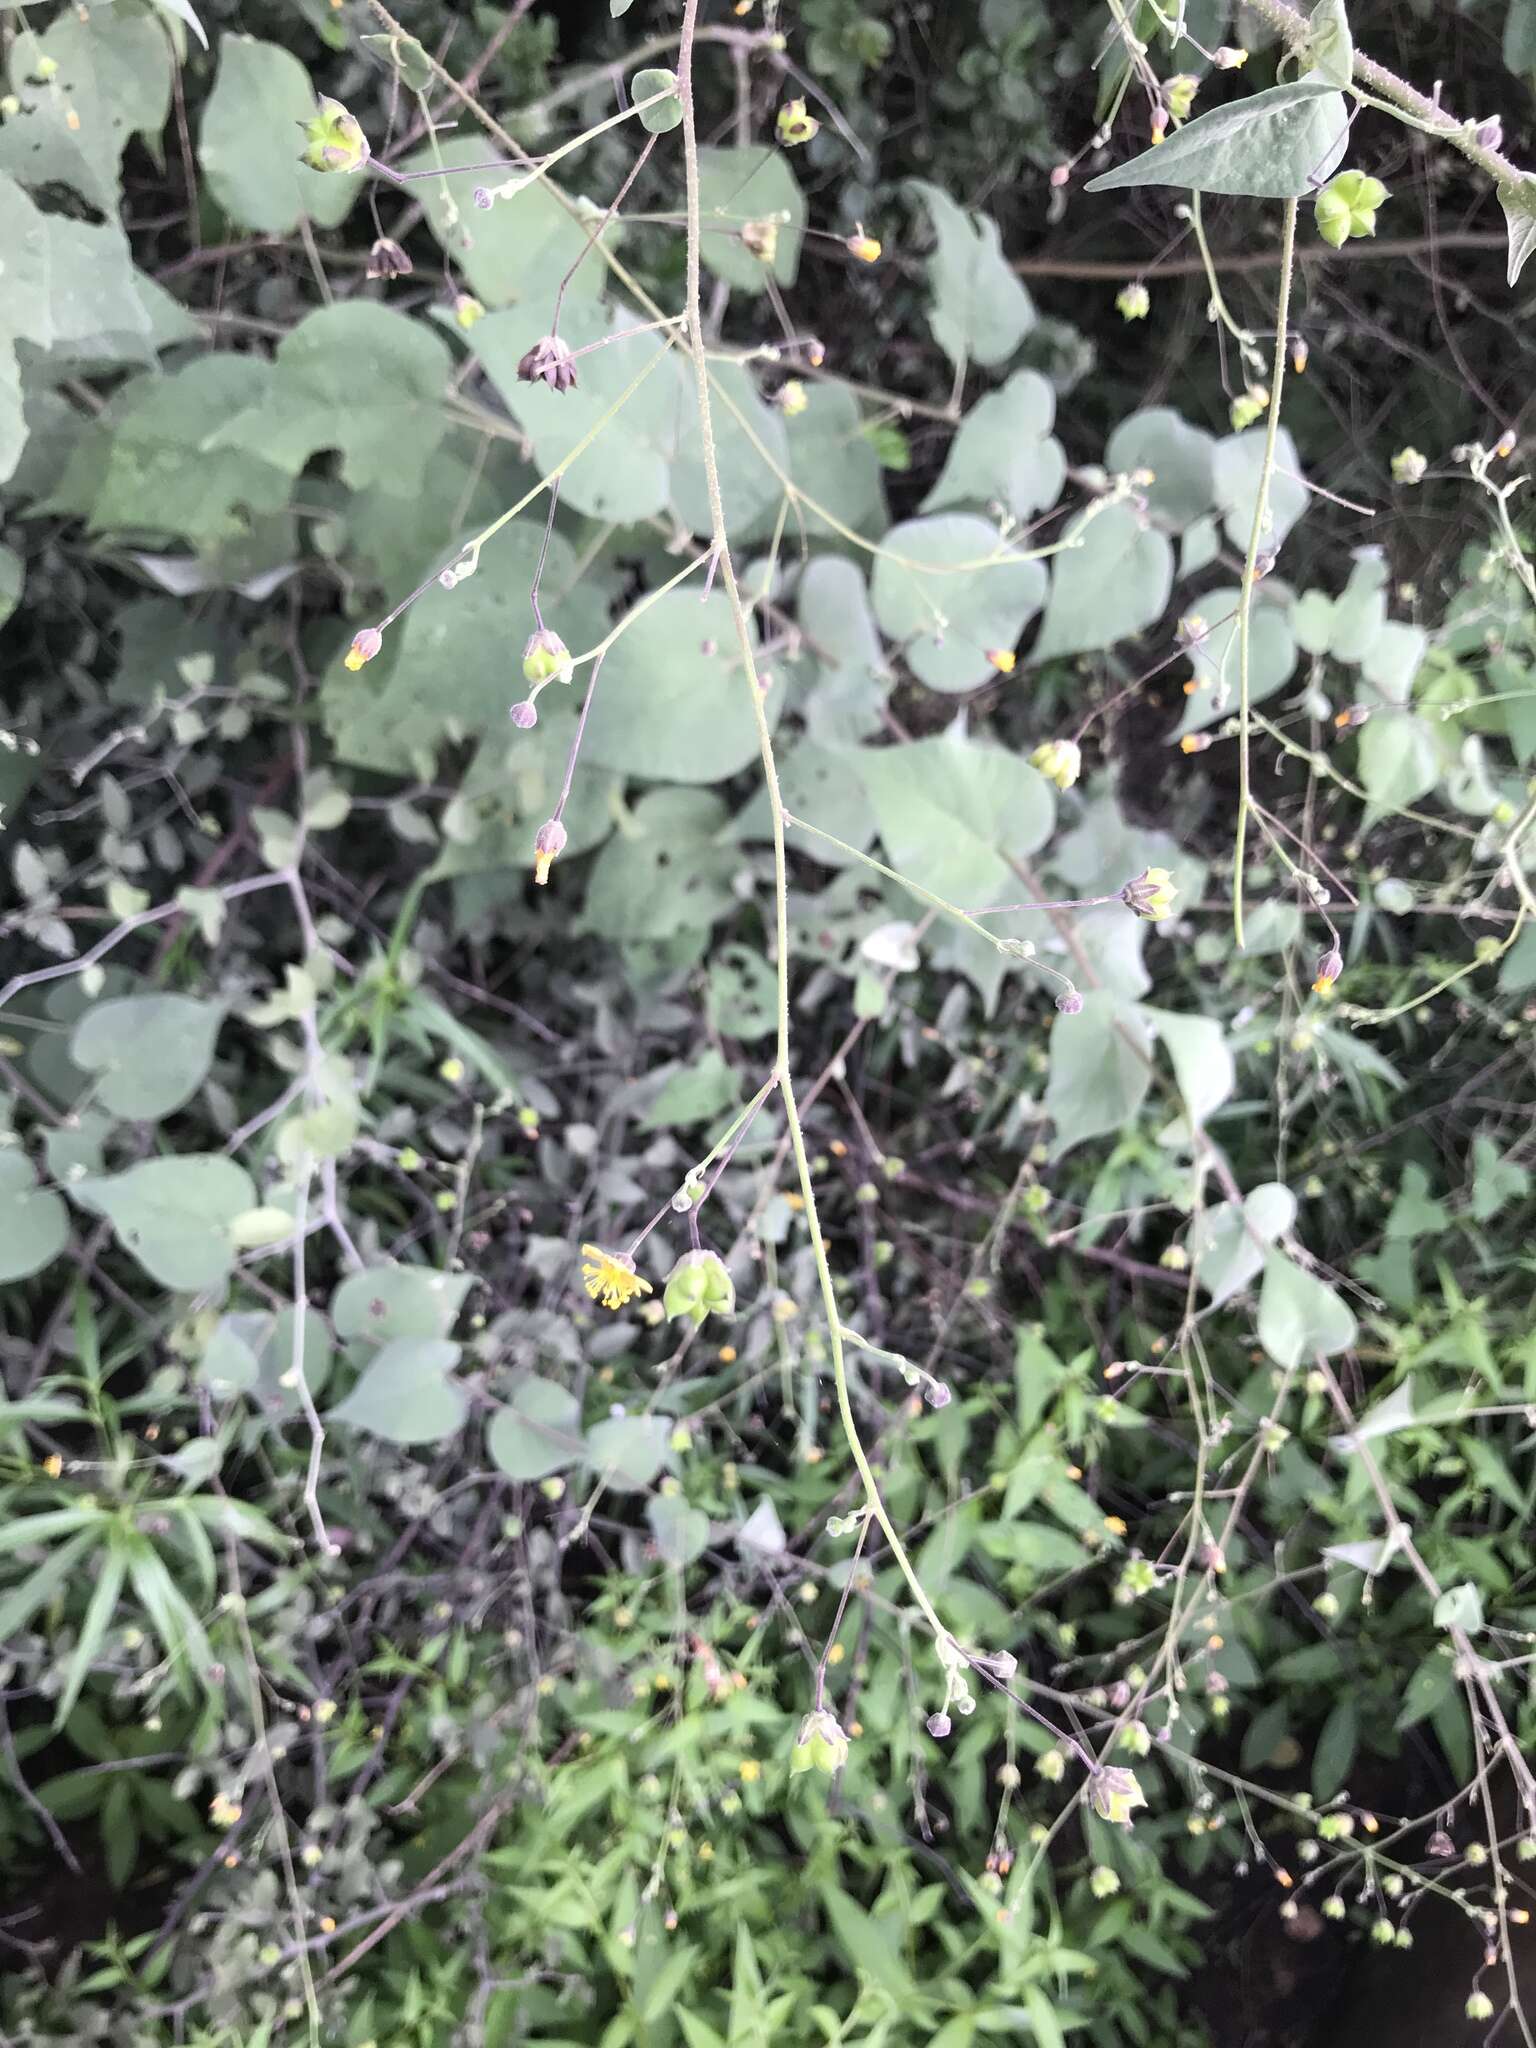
x=765, y=1077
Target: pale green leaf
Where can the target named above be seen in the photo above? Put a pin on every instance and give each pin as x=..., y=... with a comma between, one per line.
x=680, y=1533
x=1004, y=452
x=981, y=312
x=113, y=76
x=1460, y=1607
x=949, y=591
x=1237, y=464
x=249, y=143
x=834, y=464
x=668, y=870
x=538, y=1432
x=1300, y=1316
x=1100, y=1070
x=1180, y=457
x=405, y=1395
x=384, y=1302
x=1519, y=202
x=751, y=455
x=1228, y=1244
x=627, y=1451
x=1399, y=760
x=1330, y=43
x=752, y=184
x=1111, y=580
x=1279, y=144
x=515, y=252
x=173, y=1215
x=1202, y=1060
x=1214, y=660
x=150, y=1054
x=34, y=1223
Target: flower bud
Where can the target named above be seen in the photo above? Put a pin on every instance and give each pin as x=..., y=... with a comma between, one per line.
x=547, y=659
x=524, y=716
x=549, y=362
x=822, y=1745
x=467, y=310
x=334, y=140
x=1479, y=2006
x=863, y=248
x=1194, y=743
x=761, y=239
x=938, y=1726
x=1301, y=355
x=1330, y=966
x=698, y=1286
x=1133, y=302
x=1150, y=894
x=1228, y=59
x=1346, y=207
x=1070, y=1003
x=365, y=646
x=1114, y=1794
x=548, y=841
x=1003, y=659
x=1103, y=1882
x=1489, y=134
x=794, y=124
x=388, y=259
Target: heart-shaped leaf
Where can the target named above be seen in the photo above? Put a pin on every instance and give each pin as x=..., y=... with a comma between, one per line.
x=405, y=1394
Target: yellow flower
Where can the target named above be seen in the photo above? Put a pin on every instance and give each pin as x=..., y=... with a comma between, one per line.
x=792, y=398
x=1059, y=761
x=863, y=247
x=365, y=646
x=794, y=124
x=1114, y=1795
x=223, y=1811
x=1150, y=894
x=1002, y=659
x=750, y=1771
x=610, y=1277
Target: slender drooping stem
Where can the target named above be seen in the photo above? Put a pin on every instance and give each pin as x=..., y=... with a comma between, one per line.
x=1251, y=565
x=743, y=627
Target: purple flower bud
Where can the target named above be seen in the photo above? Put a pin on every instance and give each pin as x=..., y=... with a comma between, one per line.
x=548, y=841
x=549, y=362
x=1490, y=133
x=1069, y=1002
x=482, y=199
x=938, y=1726
x=525, y=715
x=388, y=259
x=937, y=1394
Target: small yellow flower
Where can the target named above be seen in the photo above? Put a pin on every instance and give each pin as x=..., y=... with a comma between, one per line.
x=1003, y=659
x=794, y=124
x=749, y=1771
x=1194, y=743
x=365, y=646
x=792, y=399
x=610, y=1277
x=467, y=310
x=1150, y=894
x=53, y=1465
x=863, y=248
x=1059, y=761
x=223, y=1811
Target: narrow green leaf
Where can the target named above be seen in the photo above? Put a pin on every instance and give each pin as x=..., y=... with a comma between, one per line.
x=98, y=1619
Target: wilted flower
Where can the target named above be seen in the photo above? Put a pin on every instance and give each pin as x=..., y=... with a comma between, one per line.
x=365, y=646
x=1228, y=59
x=794, y=124
x=699, y=1286
x=1133, y=302
x=334, y=140
x=549, y=362
x=1330, y=966
x=547, y=659
x=1346, y=207
x=610, y=1277
x=1179, y=94
x=387, y=259
x=864, y=248
x=1408, y=466
x=761, y=238
x=548, y=841
x=1150, y=894
x=1115, y=1794
x=822, y=1745
x=467, y=310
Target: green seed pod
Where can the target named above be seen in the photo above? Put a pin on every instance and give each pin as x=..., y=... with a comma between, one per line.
x=699, y=1286
x=1346, y=207
x=334, y=140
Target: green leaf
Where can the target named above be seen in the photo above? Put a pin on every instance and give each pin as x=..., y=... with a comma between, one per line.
x=34, y=1223
x=1399, y=761
x=750, y=184
x=1228, y=1243
x=113, y=76
x=1100, y=1070
x=249, y=143
x=1279, y=144
x=385, y=1302
x=1335, y=1751
x=150, y=1053
x=405, y=57
x=626, y=474
x=1300, y=1316
x=1460, y=1607
x=405, y=1395
x=1214, y=660
x=981, y=312
x=171, y=1616
x=666, y=114
x=1005, y=452
x=751, y=454
x=1111, y=580
x=949, y=591
x=667, y=870
x=102, y=1606
x=1520, y=40
x=1331, y=45
x=1237, y=463
x=834, y=463
x=1202, y=1060
x=627, y=1451
x=672, y=703
x=681, y=1533
x=1180, y=457
x=695, y=1091
x=184, y=11
x=1519, y=204
x=357, y=378
x=538, y=1432
x=174, y=1214
x=516, y=253
x=12, y=577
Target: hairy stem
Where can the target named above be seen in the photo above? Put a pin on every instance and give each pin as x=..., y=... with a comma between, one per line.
x=1251, y=565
